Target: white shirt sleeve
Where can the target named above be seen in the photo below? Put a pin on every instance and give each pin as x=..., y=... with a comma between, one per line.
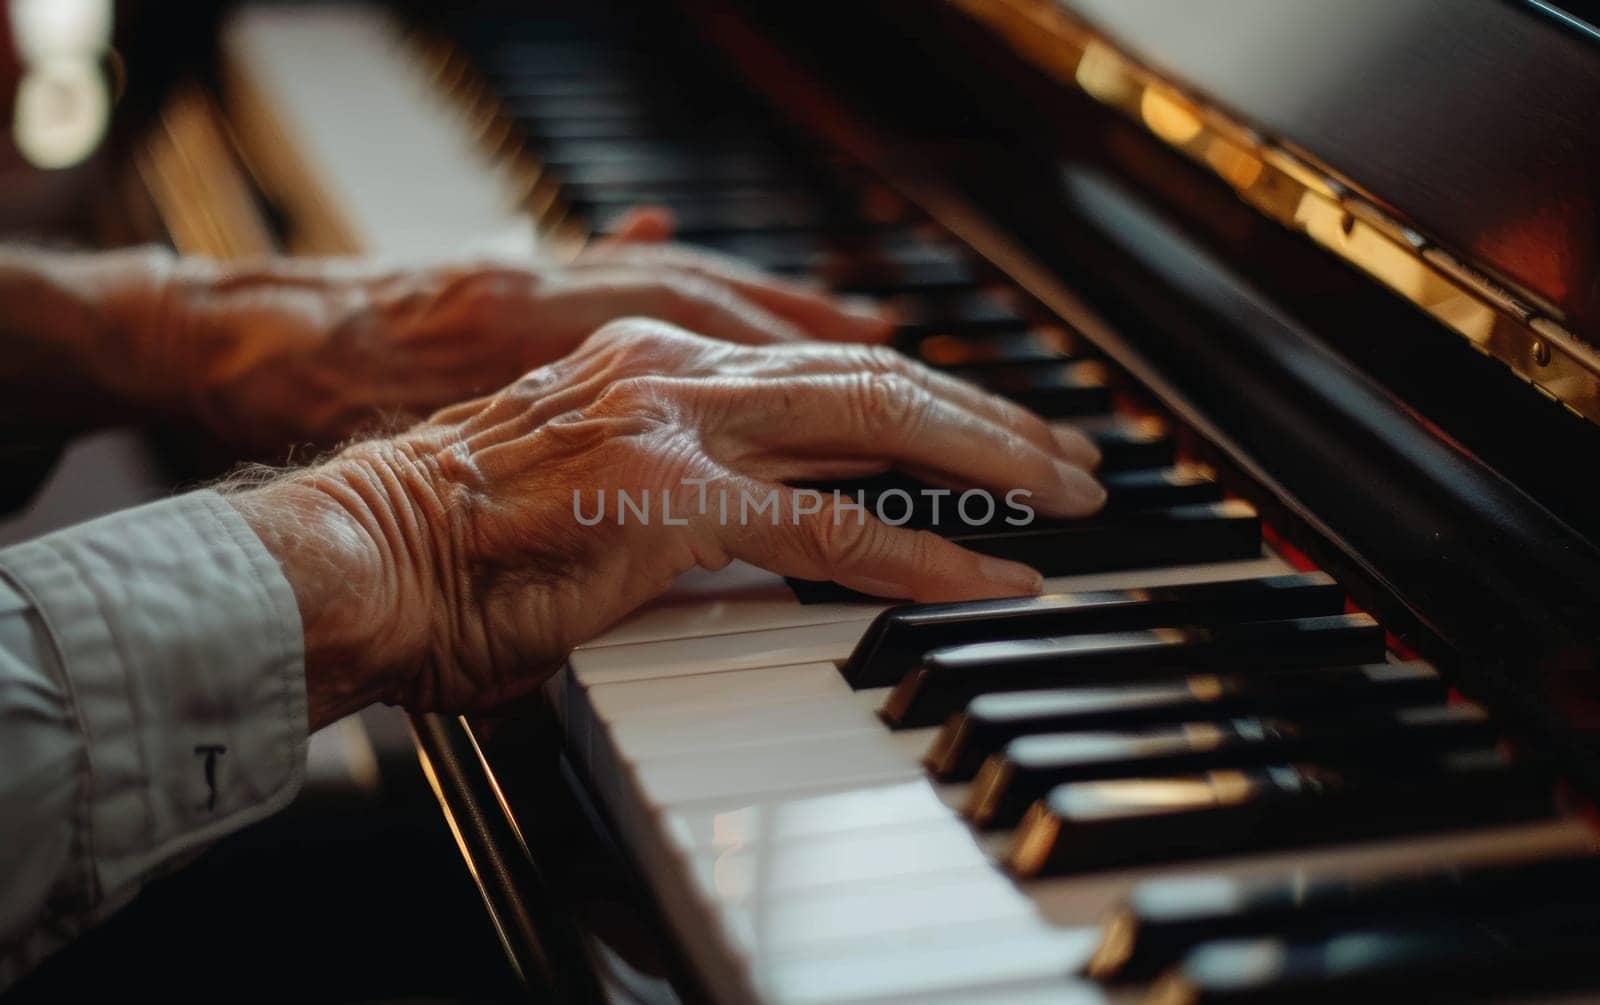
x=152, y=699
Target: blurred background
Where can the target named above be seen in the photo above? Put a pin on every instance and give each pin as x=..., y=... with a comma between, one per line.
x=357, y=892
x=80, y=80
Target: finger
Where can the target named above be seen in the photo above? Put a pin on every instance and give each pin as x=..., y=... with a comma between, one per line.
x=823, y=316
x=587, y=299
x=811, y=538
x=886, y=417
x=642, y=225
x=1070, y=444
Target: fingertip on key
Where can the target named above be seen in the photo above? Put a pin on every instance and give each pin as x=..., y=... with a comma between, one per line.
x=1076, y=447
x=1010, y=579
x=1080, y=494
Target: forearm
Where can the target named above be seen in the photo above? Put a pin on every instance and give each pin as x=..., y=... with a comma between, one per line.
x=80, y=338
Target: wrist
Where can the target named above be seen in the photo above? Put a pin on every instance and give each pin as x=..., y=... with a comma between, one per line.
x=353, y=611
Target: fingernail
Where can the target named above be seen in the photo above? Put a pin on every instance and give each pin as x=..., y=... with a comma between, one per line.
x=1014, y=578
x=1080, y=493
x=1076, y=446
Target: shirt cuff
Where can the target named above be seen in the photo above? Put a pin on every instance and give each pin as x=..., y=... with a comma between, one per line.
x=181, y=647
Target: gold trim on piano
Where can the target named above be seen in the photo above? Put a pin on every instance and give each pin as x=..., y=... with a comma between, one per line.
x=1285, y=186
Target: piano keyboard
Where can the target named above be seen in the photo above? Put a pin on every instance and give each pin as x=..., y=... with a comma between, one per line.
x=1188, y=773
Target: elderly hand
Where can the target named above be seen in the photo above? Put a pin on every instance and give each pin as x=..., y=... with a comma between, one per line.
x=285, y=352
x=450, y=567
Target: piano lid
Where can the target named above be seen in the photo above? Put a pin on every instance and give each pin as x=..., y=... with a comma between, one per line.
x=1449, y=149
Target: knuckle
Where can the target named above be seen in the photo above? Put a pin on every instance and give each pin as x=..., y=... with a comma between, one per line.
x=619, y=330
x=889, y=403
x=634, y=342
x=631, y=395
x=535, y=383
x=1013, y=445
x=881, y=359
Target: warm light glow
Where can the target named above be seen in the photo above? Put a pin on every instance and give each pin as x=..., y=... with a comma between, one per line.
x=62, y=109
x=1237, y=166
x=63, y=101
x=45, y=29
x=1168, y=116
x=1104, y=74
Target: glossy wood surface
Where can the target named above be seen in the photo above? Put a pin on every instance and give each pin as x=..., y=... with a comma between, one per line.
x=1474, y=119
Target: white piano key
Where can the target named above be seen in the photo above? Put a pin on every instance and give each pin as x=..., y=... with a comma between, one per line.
x=738, y=598
x=386, y=169
x=885, y=912
x=1268, y=564
x=766, y=873
x=716, y=654
x=960, y=964
x=737, y=821
x=708, y=693
x=755, y=769
x=652, y=736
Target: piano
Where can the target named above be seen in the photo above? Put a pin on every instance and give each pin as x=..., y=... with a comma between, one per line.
x=1306, y=714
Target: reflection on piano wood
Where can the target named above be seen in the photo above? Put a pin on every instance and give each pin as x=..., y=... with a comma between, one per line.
x=1196, y=770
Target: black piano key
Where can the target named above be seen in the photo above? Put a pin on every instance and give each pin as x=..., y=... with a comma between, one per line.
x=871, y=271
x=1163, y=919
x=653, y=153
x=928, y=507
x=991, y=721
x=883, y=279
x=552, y=59
x=512, y=86
x=976, y=354
x=619, y=128
x=1180, y=535
x=963, y=311
x=535, y=108
x=1130, y=443
x=821, y=249
x=1529, y=956
x=1182, y=485
x=1030, y=766
x=687, y=174
x=950, y=677
x=896, y=640
x=741, y=209
x=1054, y=390
x=1123, y=822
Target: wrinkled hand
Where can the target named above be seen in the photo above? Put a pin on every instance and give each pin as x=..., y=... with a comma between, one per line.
x=284, y=352
x=447, y=568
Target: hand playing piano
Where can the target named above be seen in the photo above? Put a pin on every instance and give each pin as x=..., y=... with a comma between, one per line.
x=283, y=352
x=455, y=565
